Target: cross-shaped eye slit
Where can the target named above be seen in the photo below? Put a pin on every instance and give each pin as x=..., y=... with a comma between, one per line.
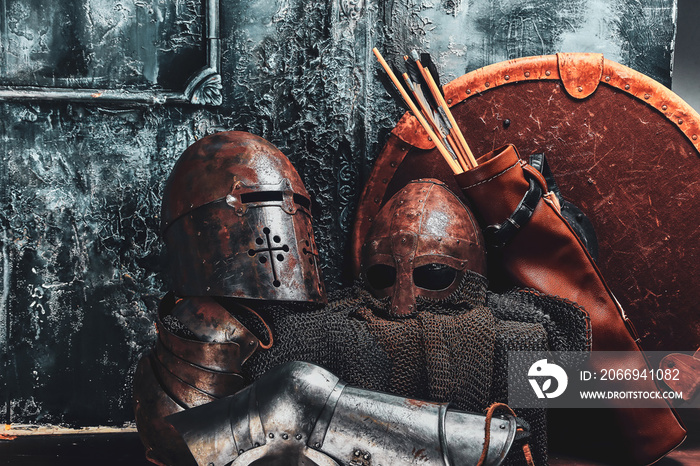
x=274, y=249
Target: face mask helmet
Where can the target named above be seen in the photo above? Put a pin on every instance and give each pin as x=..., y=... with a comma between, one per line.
x=421, y=244
x=236, y=222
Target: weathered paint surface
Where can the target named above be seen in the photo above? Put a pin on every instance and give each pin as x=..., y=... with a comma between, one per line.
x=80, y=186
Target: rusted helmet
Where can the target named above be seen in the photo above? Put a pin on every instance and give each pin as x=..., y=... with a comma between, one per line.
x=236, y=222
x=420, y=244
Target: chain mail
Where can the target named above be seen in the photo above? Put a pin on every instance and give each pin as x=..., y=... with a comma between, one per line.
x=453, y=350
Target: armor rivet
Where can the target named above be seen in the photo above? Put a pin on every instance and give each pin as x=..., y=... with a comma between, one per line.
x=646, y=96
x=607, y=78
x=285, y=436
x=211, y=464
x=316, y=445
x=403, y=240
x=240, y=452
x=403, y=148
x=367, y=456
x=376, y=200
x=457, y=241
x=256, y=444
x=439, y=239
x=384, y=180
x=506, y=77
x=297, y=436
x=503, y=426
x=357, y=453
x=271, y=435
x=547, y=72
x=627, y=87
x=251, y=343
x=580, y=89
x=506, y=123
x=695, y=137
x=487, y=84
x=449, y=101
x=664, y=107
x=393, y=164
x=527, y=74
x=469, y=91
x=680, y=122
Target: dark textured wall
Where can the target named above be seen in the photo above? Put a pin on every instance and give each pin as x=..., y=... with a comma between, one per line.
x=80, y=259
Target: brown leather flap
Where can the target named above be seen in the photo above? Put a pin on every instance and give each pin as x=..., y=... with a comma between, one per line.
x=580, y=72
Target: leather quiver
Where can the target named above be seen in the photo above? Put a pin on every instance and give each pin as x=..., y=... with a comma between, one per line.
x=544, y=253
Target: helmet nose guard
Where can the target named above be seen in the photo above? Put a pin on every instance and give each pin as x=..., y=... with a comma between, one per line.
x=236, y=222
x=420, y=244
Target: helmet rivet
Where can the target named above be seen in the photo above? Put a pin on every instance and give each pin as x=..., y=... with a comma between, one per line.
x=285, y=436
x=357, y=453
x=271, y=435
x=298, y=436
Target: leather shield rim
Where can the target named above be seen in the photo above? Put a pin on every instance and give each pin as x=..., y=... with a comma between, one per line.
x=579, y=73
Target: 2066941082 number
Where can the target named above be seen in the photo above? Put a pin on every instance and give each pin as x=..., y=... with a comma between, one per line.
x=637, y=374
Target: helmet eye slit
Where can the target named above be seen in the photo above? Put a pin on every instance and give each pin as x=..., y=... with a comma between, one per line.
x=381, y=276
x=261, y=196
x=434, y=276
x=302, y=201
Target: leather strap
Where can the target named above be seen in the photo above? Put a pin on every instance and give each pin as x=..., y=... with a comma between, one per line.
x=539, y=163
x=498, y=235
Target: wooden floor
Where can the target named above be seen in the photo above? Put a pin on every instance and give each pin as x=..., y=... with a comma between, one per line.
x=121, y=447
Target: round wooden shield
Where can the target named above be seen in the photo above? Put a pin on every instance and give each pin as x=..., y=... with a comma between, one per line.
x=623, y=148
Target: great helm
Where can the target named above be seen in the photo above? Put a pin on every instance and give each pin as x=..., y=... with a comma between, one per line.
x=421, y=243
x=236, y=222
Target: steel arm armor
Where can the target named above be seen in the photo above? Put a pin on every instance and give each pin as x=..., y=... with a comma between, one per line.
x=299, y=413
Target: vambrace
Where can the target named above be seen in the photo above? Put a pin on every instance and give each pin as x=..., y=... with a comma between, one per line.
x=299, y=413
